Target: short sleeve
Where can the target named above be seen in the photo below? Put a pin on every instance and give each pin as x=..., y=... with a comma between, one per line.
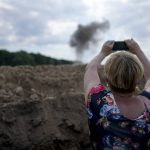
x=95, y=97
x=97, y=89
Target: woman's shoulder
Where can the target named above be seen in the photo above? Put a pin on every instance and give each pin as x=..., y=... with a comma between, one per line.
x=146, y=93
x=146, y=100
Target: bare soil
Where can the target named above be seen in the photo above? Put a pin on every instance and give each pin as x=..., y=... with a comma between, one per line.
x=42, y=108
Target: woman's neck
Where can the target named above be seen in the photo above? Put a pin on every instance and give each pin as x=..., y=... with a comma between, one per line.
x=123, y=95
x=124, y=99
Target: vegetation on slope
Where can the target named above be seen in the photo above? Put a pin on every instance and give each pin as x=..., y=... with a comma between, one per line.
x=23, y=58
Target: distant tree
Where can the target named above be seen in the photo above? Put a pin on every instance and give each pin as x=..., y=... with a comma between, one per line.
x=5, y=57
x=24, y=58
x=40, y=59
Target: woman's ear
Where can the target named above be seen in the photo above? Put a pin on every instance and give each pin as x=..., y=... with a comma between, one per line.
x=105, y=77
x=106, y=80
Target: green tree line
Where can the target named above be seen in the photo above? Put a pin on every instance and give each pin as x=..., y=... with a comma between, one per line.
x=24, y=58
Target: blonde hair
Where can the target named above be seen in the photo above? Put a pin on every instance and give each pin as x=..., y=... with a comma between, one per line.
x=123, y=71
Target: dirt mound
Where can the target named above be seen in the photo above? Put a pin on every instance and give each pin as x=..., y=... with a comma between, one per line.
x=42, y=108
x=50, y=81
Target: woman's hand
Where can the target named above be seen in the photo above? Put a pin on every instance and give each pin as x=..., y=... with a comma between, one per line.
x=135, y=49
x=133, y=46
x=107, y=48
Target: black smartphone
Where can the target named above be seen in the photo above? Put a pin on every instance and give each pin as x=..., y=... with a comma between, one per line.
x=120, y=45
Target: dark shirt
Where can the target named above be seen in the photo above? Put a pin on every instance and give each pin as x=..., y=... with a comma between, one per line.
x=110, y=130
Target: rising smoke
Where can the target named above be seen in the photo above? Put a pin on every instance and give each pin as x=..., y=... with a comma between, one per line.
x=87, y=35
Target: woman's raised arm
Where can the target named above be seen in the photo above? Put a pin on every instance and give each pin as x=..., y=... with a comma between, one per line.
x=91, y=77
x=135, y=49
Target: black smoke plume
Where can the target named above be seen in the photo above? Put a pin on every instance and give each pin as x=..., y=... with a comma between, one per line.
x=85, y=35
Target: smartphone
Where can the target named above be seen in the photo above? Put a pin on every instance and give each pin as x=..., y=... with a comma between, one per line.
x=120, y=45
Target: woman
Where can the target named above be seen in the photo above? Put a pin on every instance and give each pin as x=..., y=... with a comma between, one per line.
x=119, y=119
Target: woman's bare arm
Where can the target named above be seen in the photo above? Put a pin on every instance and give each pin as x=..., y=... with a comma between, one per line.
x=135, y=49
x=91, y=77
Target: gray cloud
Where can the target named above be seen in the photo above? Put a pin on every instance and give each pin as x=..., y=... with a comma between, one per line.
x=30, y=18
x=129, y=19
x=23, y=25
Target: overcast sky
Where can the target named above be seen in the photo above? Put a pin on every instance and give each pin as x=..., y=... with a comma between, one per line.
x=45, y=26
